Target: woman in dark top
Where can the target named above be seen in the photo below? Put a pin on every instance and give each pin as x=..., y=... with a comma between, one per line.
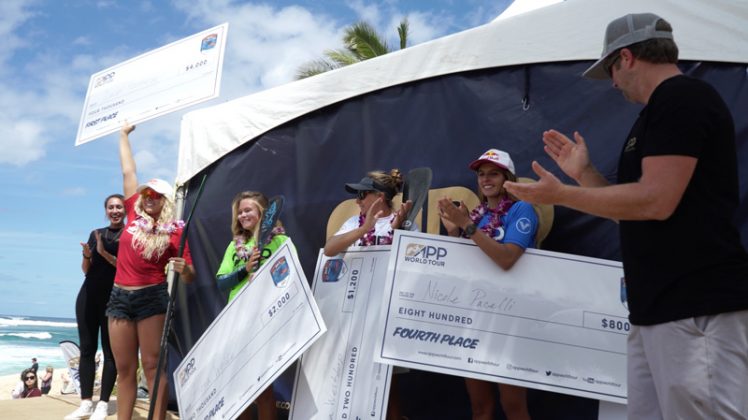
x=47, y=380
x=30, y=384
x=99, y=265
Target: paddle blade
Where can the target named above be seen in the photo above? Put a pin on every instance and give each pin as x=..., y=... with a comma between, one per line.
x=416, y=189
x=269, y=219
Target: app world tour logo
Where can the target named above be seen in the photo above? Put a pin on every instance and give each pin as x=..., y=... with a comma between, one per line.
x=425, y=254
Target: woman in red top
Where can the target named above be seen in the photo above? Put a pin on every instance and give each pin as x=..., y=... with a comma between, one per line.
x=30, y=384
x=137, y=305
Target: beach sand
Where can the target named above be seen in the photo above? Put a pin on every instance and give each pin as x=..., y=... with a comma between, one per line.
x=8, y=382
x=52, y=406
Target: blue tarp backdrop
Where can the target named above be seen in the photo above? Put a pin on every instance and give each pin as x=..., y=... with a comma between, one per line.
x=443, y=123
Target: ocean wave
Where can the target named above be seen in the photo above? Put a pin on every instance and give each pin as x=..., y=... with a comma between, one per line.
x=37, y=335
x=13, y=359
x=17, y=321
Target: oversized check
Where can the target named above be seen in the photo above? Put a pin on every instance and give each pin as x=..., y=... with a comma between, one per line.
x=183, y=73
x=554, y=321
x=337, y=377
x=259, y=334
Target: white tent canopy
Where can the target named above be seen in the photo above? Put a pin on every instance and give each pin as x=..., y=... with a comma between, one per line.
x=714, y=30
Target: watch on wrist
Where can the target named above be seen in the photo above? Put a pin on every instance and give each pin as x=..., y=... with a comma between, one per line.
x=470, y=230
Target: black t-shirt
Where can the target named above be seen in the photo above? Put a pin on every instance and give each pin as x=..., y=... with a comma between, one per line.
x=100, y=274
x=693, y=263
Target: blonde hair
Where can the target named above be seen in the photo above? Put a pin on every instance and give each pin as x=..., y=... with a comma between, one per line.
x=236, y=228
x=153, y=244
x=392, y=181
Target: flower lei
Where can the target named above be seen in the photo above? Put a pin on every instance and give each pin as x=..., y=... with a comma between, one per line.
x=240, y=246
x=370, y=238
x=494, y=215
x=164, y=228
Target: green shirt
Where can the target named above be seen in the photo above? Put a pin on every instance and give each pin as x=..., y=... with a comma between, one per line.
x=232, y=263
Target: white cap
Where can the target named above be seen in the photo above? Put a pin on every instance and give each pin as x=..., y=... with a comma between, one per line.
x=158, y=185
x=498, y=157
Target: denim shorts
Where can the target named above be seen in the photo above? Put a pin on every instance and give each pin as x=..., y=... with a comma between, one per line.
x=136, y=305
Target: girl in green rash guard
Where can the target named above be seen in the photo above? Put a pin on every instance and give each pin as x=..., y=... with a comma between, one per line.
x=240, y=260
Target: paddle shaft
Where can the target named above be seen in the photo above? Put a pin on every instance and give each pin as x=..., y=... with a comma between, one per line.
x=153, y=393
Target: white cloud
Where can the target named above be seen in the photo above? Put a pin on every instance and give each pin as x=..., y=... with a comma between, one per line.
x=265, y=44
x=368, y=12
x=82, y=40
x=74, y=192
x=423, y=26
x=156, y=161
x=104, y=4
x=13, y=13
x=420, y=28
x=21, y=141
x=146, y=6
x=486, y=12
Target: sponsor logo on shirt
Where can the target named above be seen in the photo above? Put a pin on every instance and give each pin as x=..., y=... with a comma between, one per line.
x=524, y=225
x=630, y=145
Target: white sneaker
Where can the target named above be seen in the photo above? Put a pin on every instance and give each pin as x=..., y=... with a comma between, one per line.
x=82, y=412
x=101, y=411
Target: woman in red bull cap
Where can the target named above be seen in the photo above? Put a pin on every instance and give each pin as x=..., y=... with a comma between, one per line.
x=241, y=259
x=139, y=299
x=503, y=228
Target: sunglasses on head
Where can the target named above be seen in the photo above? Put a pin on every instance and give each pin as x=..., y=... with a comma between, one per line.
x=151, y=194
x=30, y=378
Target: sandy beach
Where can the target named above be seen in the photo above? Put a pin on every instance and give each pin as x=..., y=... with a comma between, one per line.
x=54, y=405
x=8, y=382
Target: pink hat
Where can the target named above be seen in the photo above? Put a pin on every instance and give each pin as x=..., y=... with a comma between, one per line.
x=160, y=186
x=497, y=157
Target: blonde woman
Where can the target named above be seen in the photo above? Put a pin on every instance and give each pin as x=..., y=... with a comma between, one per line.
x=139, y=298
x=47, y=380
x=241, y=259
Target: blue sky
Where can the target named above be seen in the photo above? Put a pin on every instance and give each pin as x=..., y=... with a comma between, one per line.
x=51, y=192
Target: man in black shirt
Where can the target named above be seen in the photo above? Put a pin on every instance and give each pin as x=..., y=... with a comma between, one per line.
x=677, y=191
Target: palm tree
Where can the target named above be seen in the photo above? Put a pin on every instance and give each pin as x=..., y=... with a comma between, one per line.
x=361, y=42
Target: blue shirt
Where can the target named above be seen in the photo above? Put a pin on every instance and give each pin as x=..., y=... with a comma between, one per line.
x=518, y=226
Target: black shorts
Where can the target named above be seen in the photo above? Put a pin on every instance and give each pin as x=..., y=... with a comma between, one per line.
x=135, y=305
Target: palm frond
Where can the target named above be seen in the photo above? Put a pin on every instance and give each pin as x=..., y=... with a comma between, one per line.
x=402, y=32
x=342, y=57
x=364, y=41
x=361, y=42
x=314, y=68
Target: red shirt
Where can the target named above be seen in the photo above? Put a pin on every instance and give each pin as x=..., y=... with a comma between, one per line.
x=132, y=268
x=32, y=392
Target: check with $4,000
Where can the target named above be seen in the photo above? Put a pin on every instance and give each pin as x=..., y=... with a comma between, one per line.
x=183, y=73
